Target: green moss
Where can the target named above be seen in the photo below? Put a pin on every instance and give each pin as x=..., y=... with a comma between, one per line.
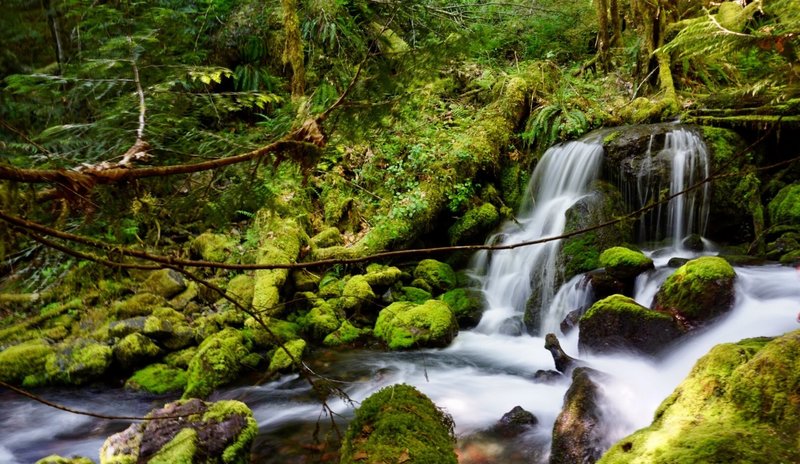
x=170, y=328
x=412, y=294
x=440, y=276
x=135, y=349
x=328, y=237
x=216, y=363
x=23, y=360
x=622, y=304
x=624, y=263
x=512, y=184
x=398, y=424
x=357, y=293
x=321, y=320
x=78, y=363
x=699, y=290
x=241, y=289
x=180, y=359
x=581, y=254
x=237, y=452
x=738, y=404
x=474, y=225
x=284, y=330
x=180, y=450
x=346, y=333
x=466, y=304
x=382, y=276
x=213, y=247
x=785, y=207
x=158, y=379
x=281, y=360
x=165, y=283
x=280, y=242
x=141, y=304
x=613, y=135
x=405, y=325
x=55, y=459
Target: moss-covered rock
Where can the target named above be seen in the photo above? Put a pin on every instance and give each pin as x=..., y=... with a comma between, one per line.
x=304, y=280
x=21, y=361
x=739, y=403
x=619, y=323
x=282, y=360
x=78, y=362
x=412, y=294
x=220, y=432
x=141, y=304
x=328, y=237
x=322, y=319
x=407, y=325
x=279, y=331
x=467, y=305
x=55, y=459
x=169, y=328
x=398, y=424
x=698, y=291
x=346, y=334
x=165, y=283
x=216, y=363
x=135, y=350
x=213, y=247
x=241, y=288
x=380, y=276
x=280, y=241
x=625, y=264
x=440, y=276
x=357, y=293
x=474, y=225
x=158, y=379
x=578, y=430
x=785, y=207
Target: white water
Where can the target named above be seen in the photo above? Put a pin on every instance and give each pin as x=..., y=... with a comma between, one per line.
x=560, y=179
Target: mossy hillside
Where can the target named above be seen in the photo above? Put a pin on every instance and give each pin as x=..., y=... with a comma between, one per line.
x=738, y=404
x=699, y=290
x=438, y=275
x=158, y=378
x=398, y=424
x=619, y=323
x=281, y=360
x=404, y=325
x=216, y=362
x=624, y=263
x=784, y=209
x=18, y=362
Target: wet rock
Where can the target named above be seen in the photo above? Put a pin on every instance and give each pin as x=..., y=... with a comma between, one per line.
x=467, y=305
x=603, y=284
x=738, y=404
x=407, y=325
x=24, y=361
x=220, y=432
x=693, y=242
x=698, y=291
x=619, y=323
x=398, y=424
x=281, y=360
x=169, y=328
x=577, y=432
x=785, y=207
x=564, y=363
x=515, y=422
x=549, y=376
x=346, y=334
x=165, y=283
x=135, y=350
x=677, y=262
x=571, y=321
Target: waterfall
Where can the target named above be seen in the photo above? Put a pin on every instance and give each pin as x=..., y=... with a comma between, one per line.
x=685, y=155
x=560, y=179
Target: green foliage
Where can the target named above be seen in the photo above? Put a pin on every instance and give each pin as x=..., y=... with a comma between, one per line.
x=158, y=379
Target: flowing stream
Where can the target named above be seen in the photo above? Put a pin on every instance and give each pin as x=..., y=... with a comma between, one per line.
x=486, y=371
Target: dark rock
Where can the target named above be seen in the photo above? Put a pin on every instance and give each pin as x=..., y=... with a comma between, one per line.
x=126, y=327
x=604, y=284
x=619, y=323
x=564, y=363
x=207, y=432
x=515, y=422
x=693, y=242
x=549, y=376
x=677, y=262
x=165, y=283
x=571, y=321
x=577, y=432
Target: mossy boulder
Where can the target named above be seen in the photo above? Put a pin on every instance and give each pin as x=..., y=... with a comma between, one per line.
x=474, y=225
x=467, y=305
x=141, y=304
x=216, y=363
x=169, y=328
x=346, y=334
x=619, y=323
x=357, y=293
x=739, y=403
x=56, y=459
x=78, y=362
x=784, y=209
x=412, y=294
x=220, y=432
x=440, y=276
x=280, y=241
x=581, y=253
x=398, y=424
x=304, y=280
x=25, y=360
x=165, y=283
x=125, y=327
x=407, y=325
x=181, y=359
x=213, y=247
x=625, y=264
x=382, y=277
x=698, y=291
x=279, y=331
x=328, y=237
x=281, y=360
x=322, y=319
x=158, y=379
x=135, y=350
x=578, y=430
x=241, y=289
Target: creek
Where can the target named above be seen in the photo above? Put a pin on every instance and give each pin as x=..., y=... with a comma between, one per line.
x=487, y=370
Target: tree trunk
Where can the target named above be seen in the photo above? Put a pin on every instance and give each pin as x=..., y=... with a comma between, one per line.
x=55, y=32
x=601, y=7
x=293, y=51
x=616, y=23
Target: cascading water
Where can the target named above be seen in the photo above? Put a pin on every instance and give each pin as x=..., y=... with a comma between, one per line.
x=560, y=179
x=685, y=156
